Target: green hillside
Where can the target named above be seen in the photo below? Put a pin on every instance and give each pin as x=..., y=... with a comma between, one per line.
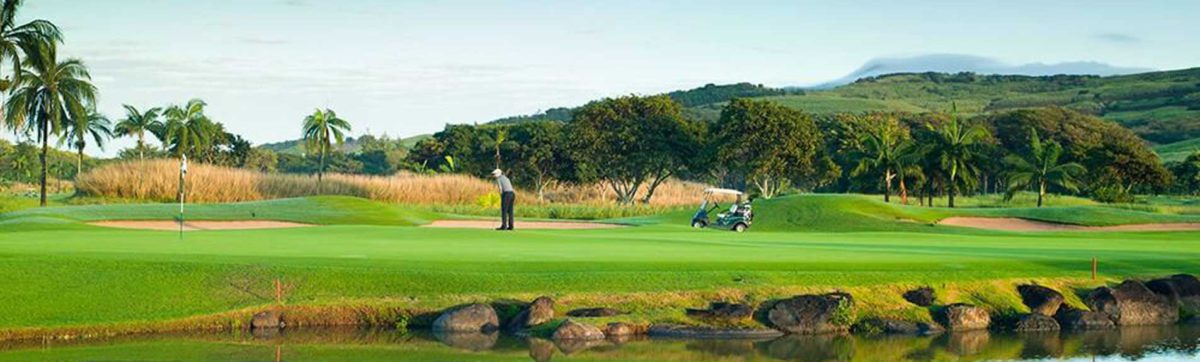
x=1178, y=151
x=296, y=147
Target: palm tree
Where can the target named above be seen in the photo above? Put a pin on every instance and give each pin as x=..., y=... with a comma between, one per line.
x=186, y=129
x=955, y=150
x=321, y=130
x=137, y=123
x=1041, y=169
x=17, y=39
x=49, y=91
x=78, y=130
x=884, y=147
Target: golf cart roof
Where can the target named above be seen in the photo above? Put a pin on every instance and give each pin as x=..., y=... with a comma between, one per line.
x=722, y=191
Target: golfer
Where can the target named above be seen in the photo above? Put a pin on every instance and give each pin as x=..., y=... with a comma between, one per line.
x=507, y=197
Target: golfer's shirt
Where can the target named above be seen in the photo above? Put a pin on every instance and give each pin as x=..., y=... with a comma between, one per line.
x=505, y=184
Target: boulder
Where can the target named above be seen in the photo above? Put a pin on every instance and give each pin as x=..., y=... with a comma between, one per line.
x=922, y=296
x=1077, y=320
x=267, y=320
x=1040, y=300
x=722, y=311
x=964, y=317
x=1182, y=289
x=894, y=326
x=541, y=310
x=467, y=318
x=1036, y=322
x=1132, y=304
x=811, y=314
x=572, y=330
x=594, y=312
x=619, y=329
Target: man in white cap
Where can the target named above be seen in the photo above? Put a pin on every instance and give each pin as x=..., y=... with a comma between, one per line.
x=507, y=197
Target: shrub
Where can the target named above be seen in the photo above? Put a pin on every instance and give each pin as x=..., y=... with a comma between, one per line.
x=1112, y=194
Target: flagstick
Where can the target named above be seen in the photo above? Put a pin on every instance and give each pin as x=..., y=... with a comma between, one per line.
x=182, y=192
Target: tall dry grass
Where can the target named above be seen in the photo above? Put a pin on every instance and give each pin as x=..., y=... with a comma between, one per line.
x=158, y=180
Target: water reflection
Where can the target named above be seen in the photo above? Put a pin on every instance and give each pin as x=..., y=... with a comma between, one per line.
x=358, y=345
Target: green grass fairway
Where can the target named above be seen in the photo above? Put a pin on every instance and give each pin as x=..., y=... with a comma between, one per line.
x=61, y=272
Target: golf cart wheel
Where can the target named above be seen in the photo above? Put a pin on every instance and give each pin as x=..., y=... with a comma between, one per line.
x=699, y=224
x=740, y=227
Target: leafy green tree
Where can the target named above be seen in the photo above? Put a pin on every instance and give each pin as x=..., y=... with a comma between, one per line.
x=262, y=160
x=541, y=154
x=321, y=130
x=186, y=129
x=772, y=145
x=77, y=131
x=49, y=92
x=18, y=39
x=136, y=123
x=1041, y=168
x=957, y=149
x=1187, y=175
x=630, y=142
x=885, y=148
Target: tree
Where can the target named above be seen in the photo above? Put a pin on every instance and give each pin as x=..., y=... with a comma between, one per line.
x=18, y=39
x=772, y=145
x=630, y=142
x=956, y=150
x=187, y=130
x=137, y=123
x=262, y=160
x=541, y=155
x=49, y=91
x=77, y=131
x=884, y=148
x=1041, y=168
x=322, y=129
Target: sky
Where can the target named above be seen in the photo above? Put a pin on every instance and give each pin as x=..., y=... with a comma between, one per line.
x=410, y=67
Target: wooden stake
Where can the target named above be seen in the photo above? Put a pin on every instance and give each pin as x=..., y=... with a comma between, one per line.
x=1094, y=268
x=279, y=292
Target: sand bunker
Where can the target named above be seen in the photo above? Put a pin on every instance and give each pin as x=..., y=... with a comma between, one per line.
x=171, y=225
x=1016, y=224
x=521, y=225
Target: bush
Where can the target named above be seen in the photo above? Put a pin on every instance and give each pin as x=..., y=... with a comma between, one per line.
x=1112, y=194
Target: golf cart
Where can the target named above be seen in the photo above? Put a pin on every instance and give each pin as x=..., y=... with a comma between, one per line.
x=737, y=217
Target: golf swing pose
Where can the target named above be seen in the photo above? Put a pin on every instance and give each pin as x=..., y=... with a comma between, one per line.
x=507, y=197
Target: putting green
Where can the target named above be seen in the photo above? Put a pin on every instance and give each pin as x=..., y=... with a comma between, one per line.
x=62, y=272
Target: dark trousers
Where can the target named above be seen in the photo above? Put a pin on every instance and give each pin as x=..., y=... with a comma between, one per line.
x=506, y=209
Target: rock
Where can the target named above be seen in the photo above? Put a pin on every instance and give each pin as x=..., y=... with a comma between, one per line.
x=964, y=317
x=722, y=311
x=1036, y=323
x=572, y=330
x=811, y=314
x=1040, y=300
x=1077, y=320
x=1182, y=289
x=267, y=320
x=922, y=296
x=594, y=312
x=894, y=326
x=541, y=310
x=619, y=329
x=467, y=318
x=1132, y=304
x=707, y=332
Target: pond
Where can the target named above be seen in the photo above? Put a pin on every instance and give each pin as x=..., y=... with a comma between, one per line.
x=1175, y=343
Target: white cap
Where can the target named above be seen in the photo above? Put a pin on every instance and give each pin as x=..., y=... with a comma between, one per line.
x=497, y=173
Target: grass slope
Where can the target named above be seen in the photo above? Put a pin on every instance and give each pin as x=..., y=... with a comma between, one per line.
x=1178, y=151
x=321, y=210
x=67, y=274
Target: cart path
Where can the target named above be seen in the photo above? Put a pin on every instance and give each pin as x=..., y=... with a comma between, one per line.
x=198, y=225
x=531, y=225
x=1017, y=224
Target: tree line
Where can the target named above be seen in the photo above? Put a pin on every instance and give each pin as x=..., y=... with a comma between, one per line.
x=632, y=143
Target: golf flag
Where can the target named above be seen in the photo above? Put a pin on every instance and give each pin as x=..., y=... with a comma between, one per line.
x=183, y=165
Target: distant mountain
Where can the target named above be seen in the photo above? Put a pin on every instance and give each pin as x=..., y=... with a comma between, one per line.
x=708, y=94
x=957, y=63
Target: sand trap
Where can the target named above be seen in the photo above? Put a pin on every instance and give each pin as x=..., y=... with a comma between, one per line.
x=521, y=225
x=171, y=225
x=1016, y=224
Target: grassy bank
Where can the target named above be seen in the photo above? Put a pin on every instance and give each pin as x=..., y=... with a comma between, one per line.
x=65, y=274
